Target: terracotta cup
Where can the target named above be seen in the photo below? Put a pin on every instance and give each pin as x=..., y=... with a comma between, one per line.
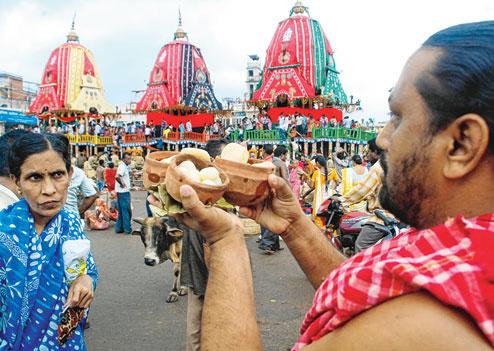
x=154, y=171
x=248, y=184
x=175, y=178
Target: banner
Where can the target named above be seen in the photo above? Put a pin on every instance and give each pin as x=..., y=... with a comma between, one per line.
x=197, y=120
x=11, y=116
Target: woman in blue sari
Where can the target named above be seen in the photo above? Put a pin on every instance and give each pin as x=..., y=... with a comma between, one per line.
x=34, y=290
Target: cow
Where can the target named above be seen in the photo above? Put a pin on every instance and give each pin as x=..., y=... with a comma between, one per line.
x=162, y=239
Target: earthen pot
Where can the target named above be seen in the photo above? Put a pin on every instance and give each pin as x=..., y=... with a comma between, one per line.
x=176, y=177
x=154, y=171
x=248, y=184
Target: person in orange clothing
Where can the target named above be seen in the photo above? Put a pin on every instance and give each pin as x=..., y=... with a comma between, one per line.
x=310, y=125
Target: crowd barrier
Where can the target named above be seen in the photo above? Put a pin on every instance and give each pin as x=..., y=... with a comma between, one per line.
x=265, y=136
x=87, y=139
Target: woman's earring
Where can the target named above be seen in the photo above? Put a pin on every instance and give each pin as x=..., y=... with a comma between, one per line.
x=19, y=191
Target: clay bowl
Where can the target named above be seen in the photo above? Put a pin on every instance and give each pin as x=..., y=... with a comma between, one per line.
x=175, y=178
x=248, y=184
x=154, y=171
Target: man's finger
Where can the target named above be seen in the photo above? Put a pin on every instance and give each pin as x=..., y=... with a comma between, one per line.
x=281, y=188
x=154, y=201
x=248, y=212
x=183, y=218
x=190, y=201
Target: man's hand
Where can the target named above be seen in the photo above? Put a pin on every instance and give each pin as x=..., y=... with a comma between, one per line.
x=81, y=292
x=280, y=210
x=120, y=181
x=153, y=201
x=213, y=223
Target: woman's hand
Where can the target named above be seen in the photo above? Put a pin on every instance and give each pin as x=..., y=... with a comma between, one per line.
x=212, y=223
x=81, y=292
x=279, y=211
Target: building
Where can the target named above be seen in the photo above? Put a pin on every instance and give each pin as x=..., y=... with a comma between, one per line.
x=15, y=93
x=254, y=71
x=126, y=114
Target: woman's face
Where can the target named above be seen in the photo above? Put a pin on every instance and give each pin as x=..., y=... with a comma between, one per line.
x=44, y=181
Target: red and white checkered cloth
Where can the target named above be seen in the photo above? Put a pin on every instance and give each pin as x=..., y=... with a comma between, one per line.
x=454, y=262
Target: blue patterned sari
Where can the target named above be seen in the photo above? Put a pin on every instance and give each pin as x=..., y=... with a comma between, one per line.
x=33, y=287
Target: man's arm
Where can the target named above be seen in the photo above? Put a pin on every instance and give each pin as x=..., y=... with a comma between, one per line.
x=282, y=214
x=314, y=253
x=86, y=204
x=89, y=194
x=230, y=296
x=120, y=181
x=119, y=176
x=229, y=314
x=407, y=323
x=284, y=172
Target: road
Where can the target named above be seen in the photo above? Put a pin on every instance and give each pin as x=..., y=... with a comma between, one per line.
x=130, y=312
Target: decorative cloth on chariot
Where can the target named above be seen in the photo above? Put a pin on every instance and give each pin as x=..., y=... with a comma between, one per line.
x=33, y=283
x=452, y=261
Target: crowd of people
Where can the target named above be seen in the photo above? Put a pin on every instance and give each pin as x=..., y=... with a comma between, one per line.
x=431, y=167
x=294, y=125
x=355, y=178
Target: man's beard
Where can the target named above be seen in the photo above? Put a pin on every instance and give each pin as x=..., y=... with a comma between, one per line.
x=405, y=194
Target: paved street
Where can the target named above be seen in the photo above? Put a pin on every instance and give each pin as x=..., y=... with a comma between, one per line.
x=130, y=312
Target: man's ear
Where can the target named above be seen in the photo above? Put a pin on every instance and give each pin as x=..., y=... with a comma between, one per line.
x=468, y=142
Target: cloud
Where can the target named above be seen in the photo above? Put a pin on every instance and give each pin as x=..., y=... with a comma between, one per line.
x=372, y=39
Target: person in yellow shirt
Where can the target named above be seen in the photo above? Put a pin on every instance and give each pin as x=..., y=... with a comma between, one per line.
x=321, y=182
x=166, y=132
x=253, y=152
x=350, y=178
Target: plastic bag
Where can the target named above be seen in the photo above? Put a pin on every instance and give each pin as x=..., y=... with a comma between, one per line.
x=75, y=255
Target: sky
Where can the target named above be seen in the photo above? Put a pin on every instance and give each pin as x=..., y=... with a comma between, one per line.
x=371, y=39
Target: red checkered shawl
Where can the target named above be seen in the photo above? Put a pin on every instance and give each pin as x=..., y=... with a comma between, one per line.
x=453, y=261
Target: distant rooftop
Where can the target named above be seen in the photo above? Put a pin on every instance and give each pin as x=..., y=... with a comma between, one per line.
x=5, y=74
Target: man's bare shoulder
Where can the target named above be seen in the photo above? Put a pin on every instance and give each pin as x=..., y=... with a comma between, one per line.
x=411, y=322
